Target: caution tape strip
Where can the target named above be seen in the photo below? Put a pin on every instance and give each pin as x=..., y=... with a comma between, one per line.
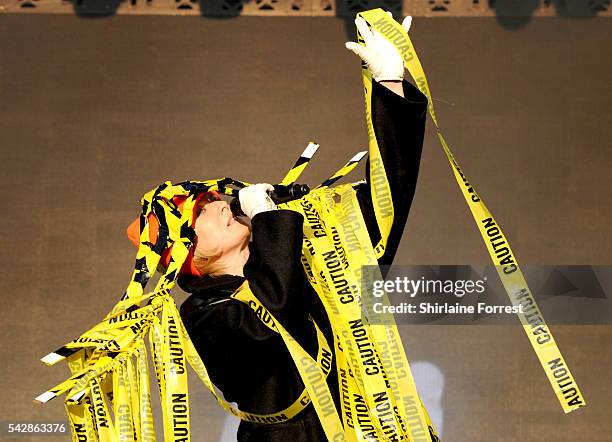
x=541, y=338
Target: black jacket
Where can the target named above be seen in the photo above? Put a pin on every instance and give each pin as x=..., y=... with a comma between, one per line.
x=248, y=362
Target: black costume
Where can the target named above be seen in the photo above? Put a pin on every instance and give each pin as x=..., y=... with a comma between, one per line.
x=247, y=361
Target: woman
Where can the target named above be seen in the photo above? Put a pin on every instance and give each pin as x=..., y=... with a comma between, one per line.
x=247, y=361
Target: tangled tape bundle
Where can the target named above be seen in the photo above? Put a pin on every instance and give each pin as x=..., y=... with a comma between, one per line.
x=379, y=399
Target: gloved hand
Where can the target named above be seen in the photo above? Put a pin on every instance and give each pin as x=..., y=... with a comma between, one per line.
x=254, y=199
x=383, y=60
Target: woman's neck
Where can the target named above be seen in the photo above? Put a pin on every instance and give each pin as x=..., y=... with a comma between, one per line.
x=234, y=261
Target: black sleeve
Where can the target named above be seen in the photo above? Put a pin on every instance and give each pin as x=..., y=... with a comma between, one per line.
x=399, y=127
x=274, y=268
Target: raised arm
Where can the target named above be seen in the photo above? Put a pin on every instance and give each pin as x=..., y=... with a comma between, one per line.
x=274, y=269
x=399, y=112
x=399, y=126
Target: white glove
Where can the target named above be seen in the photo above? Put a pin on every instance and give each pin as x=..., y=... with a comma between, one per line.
x=254, y=199
x=382, y=58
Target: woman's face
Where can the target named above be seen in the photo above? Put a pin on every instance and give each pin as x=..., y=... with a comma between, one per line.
x=217, y=229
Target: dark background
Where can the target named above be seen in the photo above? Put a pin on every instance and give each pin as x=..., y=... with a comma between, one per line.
x=95, y=112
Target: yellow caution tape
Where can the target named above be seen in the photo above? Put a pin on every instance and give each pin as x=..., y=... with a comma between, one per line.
x=296, y=171
x=147, y=426
x=104, y=424
x=379, y=399
x=540, y=336
x=124, y=422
